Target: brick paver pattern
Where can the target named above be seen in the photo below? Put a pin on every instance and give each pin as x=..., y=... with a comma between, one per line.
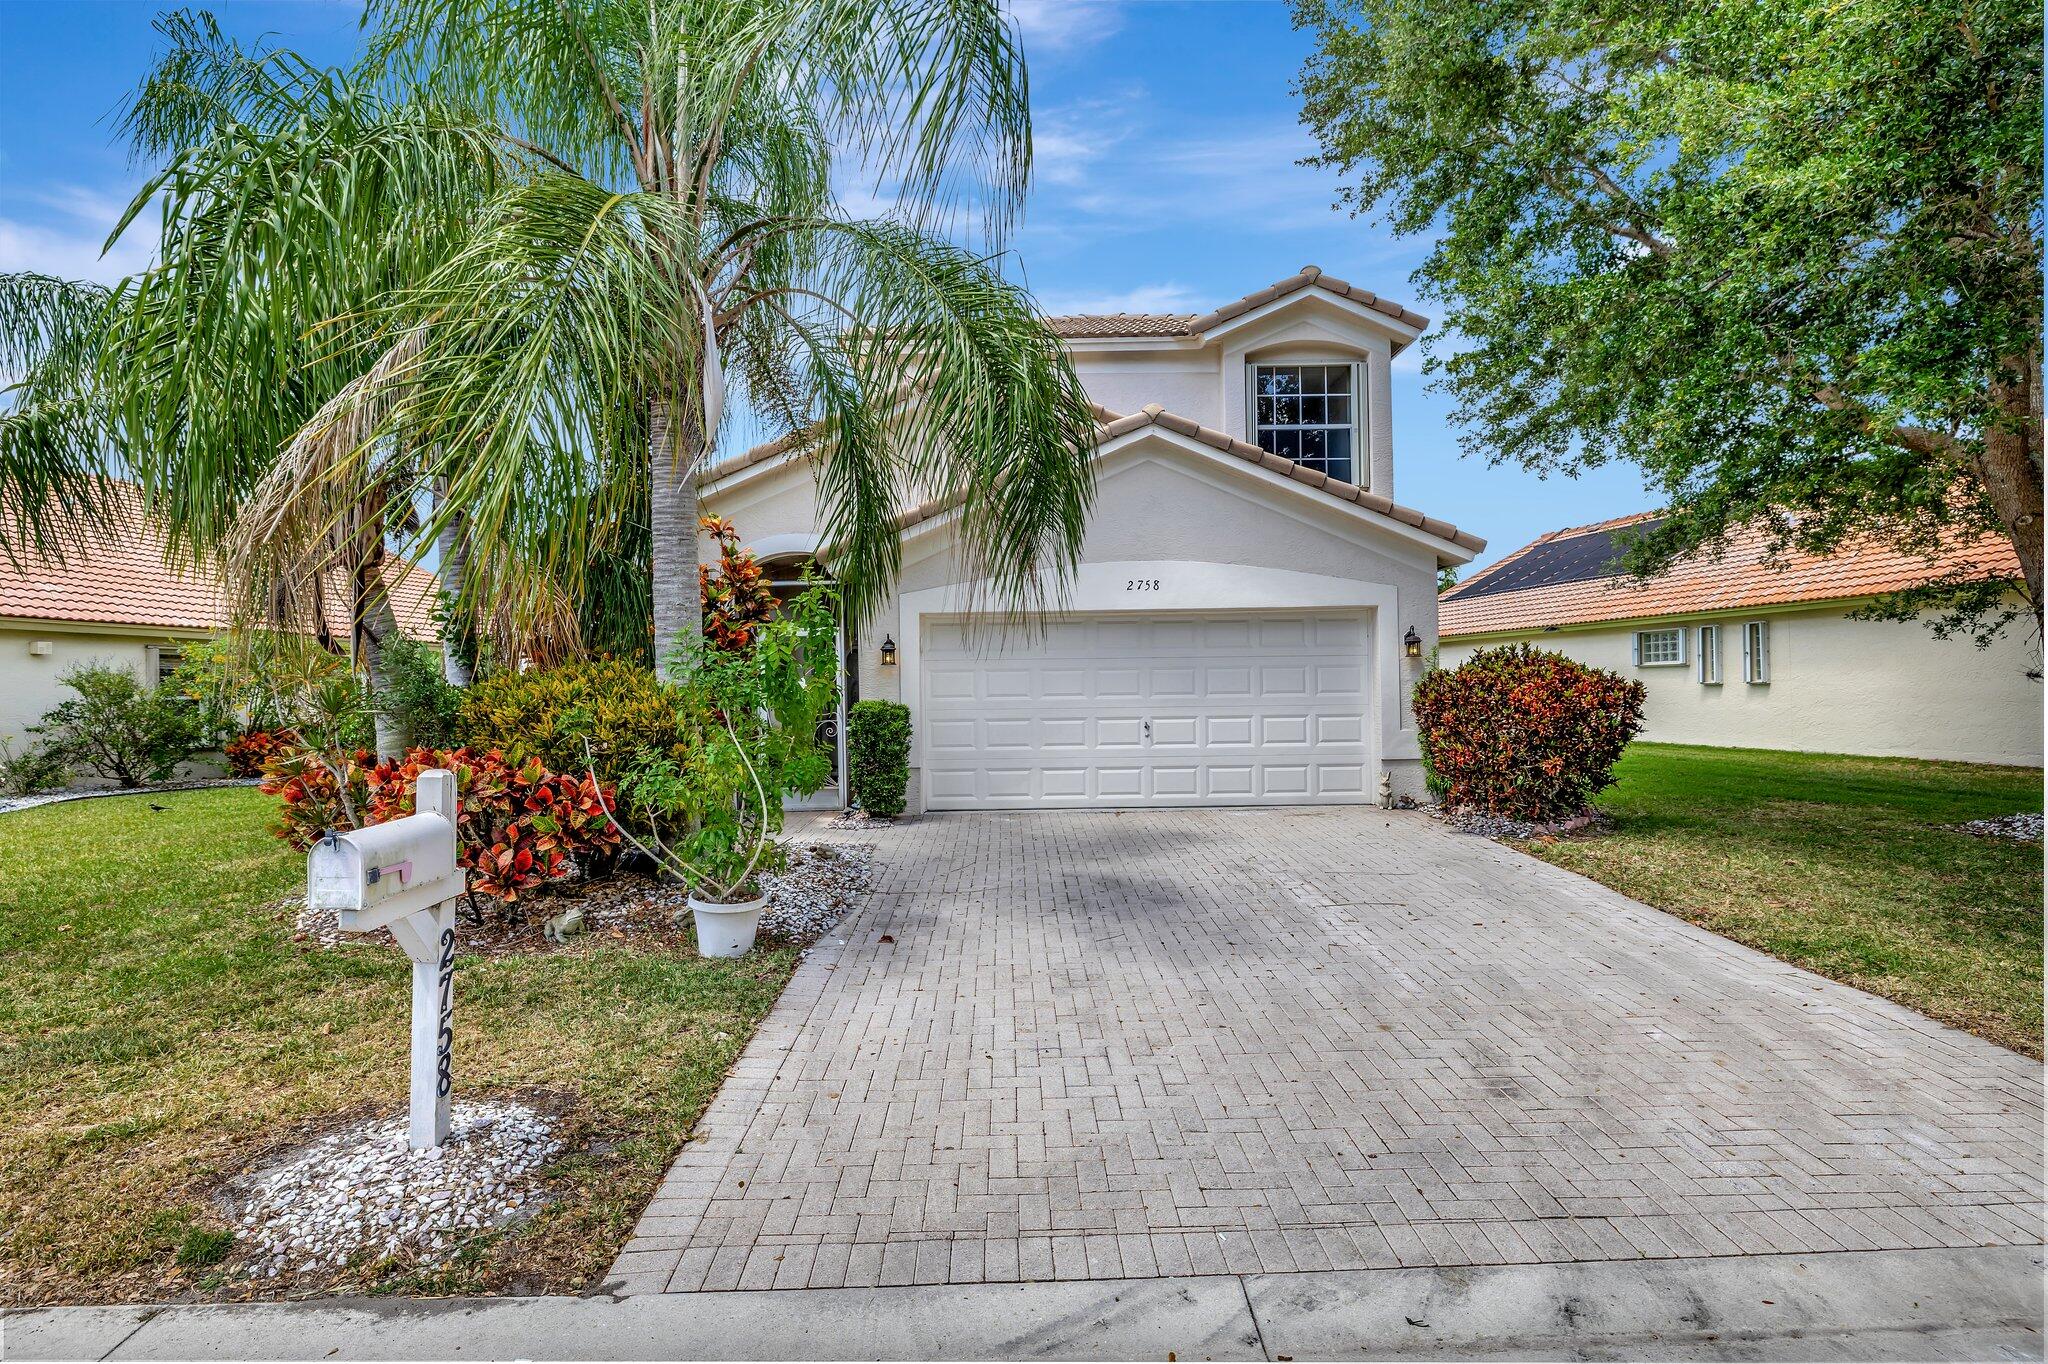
x=1096, y=1045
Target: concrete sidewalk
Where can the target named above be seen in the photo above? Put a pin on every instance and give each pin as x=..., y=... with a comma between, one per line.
x=1978, y=1304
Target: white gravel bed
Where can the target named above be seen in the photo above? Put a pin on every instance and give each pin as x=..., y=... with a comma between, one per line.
x=8, y=803
x=363, y=1189
x=2004, y=826
x=821, y=883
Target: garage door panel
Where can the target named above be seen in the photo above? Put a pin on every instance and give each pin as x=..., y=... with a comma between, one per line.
x=1340, y=729
x=1283, y=729
x=1284, y=781
x=1242, y=709
x=1337, y=780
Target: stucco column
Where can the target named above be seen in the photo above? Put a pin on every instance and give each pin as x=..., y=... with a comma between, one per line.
x=1379, y=418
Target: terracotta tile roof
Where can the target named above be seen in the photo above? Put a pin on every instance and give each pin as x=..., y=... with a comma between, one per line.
x=1113, y=425
x=120, y=577
x=1120, y=324
x=1105, y=325
x=1562, y=590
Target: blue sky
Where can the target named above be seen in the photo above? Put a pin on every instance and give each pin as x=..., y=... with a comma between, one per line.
x=1166, y=181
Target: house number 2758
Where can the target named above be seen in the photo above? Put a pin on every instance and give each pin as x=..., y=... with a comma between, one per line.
x=1142, y=585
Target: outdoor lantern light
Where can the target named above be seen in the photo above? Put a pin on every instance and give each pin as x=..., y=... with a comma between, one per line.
x=888, y=652
x=1413, y=642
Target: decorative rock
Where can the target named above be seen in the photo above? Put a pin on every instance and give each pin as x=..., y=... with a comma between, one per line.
x=364, y=1189
x=2022, y=825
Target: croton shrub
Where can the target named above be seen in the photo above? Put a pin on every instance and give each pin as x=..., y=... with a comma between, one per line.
x=249, y=751
x=517, y=827
x=1525, y=733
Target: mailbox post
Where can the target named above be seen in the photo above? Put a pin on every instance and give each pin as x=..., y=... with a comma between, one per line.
x=402, y=875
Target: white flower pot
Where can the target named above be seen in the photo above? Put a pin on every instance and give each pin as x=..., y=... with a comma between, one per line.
x=726, y=930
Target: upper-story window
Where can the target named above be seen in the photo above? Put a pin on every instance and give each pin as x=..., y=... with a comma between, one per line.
x=1308, y=413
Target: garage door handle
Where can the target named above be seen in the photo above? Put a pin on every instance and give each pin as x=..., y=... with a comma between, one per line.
x=1148, y=726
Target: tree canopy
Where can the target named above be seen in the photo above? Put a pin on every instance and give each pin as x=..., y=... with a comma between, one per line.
x=1785, y=255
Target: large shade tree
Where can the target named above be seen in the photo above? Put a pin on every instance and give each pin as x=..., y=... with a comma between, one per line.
x=1786, y=254
x=674, y=248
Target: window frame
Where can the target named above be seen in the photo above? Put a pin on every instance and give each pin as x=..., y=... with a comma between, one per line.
x=1361, y=466
x=1756, y=653
x=1677, y=633
x=1710, y=655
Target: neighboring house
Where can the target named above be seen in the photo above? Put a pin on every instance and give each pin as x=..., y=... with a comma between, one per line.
x=1235, y=632
x=1744, y=650
x=114, y=600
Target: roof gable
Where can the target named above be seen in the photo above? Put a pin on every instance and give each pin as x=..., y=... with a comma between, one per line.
x=1106, y=326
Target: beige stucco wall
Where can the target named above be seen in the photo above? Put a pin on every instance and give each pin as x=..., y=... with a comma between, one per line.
x=30, y=685
x=1837, y=686
x=1182, y=382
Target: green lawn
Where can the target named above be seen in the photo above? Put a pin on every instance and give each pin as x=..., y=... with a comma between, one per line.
x=159, y=1029
x=1840, y=865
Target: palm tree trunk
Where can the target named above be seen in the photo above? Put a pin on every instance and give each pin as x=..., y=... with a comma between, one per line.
x=454, y=557
x=672, y=482
x=375, y=623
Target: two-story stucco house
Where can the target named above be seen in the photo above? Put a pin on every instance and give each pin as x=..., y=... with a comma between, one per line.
x=1252, y=604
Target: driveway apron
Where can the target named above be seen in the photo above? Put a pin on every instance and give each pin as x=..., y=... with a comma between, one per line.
x=1179, y=1042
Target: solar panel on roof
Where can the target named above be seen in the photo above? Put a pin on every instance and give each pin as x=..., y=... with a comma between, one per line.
x=1570, y=559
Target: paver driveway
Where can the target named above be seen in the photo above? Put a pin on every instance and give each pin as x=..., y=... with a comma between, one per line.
x=1100, y=1045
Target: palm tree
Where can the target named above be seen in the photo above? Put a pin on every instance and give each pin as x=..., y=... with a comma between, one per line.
x=289, y=197
x=675, y=233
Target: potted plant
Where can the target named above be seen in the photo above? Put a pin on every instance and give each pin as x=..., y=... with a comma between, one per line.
x=709, y=810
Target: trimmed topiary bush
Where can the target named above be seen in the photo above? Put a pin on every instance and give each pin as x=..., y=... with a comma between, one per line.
x=1525, y=733
x=878, y=756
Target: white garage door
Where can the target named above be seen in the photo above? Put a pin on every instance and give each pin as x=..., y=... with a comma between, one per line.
x=1265, y=709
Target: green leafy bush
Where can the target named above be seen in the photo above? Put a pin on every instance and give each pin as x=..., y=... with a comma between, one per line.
x=37, y=767
x=1525, y=733
x=120, y=729
x=878, y=756
x=748, y=713
x=621, y=709
x=420, y=698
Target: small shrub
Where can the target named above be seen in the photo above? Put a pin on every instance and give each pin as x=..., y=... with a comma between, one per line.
x=247, y=753
x=1521, y=732
x=737, y=598
x=120, y=729
x=516, y=824
x=624, y=712
x=420, y=699
x=878, y=756
x=38, y=767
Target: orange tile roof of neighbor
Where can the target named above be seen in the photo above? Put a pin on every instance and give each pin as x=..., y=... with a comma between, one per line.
x=119, y=577
x=1567, y=578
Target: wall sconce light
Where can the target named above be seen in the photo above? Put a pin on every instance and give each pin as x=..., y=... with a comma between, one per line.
x=41, y=648
x=888, y=652
x=1412, y=642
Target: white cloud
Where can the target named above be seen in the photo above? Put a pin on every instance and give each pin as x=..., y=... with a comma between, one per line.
x=1057, y=25
x=1145, y=298
x=65, y=240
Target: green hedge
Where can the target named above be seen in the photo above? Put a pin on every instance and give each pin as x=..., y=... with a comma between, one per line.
x=620, y=707
x=878, y=756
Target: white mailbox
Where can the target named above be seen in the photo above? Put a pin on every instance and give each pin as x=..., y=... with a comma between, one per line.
x=402, y=875
x=371, y=876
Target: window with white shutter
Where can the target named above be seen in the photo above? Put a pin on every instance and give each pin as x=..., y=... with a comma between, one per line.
x=1756, y=652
